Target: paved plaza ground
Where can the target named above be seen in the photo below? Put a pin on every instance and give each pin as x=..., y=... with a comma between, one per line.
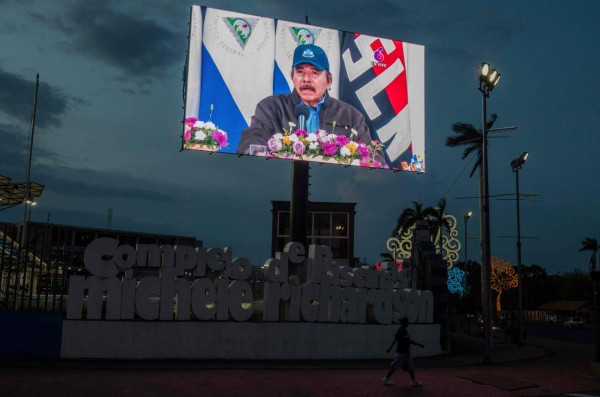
x=540, y=368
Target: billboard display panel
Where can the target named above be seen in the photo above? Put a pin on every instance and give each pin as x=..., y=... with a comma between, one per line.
x=264, y=87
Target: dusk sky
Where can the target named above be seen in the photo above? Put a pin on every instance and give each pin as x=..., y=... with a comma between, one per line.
x=110, y=103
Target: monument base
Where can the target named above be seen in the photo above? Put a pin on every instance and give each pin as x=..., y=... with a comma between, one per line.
x=238, y=340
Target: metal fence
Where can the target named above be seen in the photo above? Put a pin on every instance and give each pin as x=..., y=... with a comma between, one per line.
x=33, y=274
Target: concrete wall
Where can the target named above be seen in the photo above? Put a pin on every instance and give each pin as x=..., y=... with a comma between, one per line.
x=30, y=334
x=233, y=340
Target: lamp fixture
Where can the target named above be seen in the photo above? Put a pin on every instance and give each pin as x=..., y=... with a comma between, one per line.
x=488, y=78
x=517, y=163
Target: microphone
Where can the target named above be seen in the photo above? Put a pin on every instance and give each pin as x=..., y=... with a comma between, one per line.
x=301, y=112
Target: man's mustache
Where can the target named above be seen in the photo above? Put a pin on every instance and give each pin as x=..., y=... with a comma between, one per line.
x=307, y=87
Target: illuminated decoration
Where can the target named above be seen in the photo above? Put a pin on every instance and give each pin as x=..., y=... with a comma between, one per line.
x=503, y=278
x=401, y=246
x=380, y=265
x=450, y=243
x=456, y=278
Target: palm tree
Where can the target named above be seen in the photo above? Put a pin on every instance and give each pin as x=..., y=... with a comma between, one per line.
x=591, y=244
x=409, y=217
x=466, y=134
x=438, y=222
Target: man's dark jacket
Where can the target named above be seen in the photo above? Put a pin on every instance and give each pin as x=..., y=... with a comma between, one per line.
x=275, y=112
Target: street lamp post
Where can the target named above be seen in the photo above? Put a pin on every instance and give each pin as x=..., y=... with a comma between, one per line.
x=466, y=217
x=488, y=78
x=516, y=165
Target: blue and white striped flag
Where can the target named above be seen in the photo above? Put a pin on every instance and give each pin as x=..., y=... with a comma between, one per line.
x=237, y=69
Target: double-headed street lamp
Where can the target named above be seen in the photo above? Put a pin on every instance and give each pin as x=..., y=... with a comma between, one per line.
x=488, y=79
x=516, y=165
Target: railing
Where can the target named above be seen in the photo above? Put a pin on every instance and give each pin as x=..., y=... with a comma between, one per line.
x=30, y=280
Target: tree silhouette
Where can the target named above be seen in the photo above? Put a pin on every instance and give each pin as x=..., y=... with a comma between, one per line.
x=438, y=222
x=409, y=217
x=466, y=134
x=591, y=244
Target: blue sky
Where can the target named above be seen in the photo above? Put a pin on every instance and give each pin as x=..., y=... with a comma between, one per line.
x=110, y=111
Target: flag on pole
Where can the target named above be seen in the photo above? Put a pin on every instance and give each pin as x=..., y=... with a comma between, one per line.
x=237, y=69
x=194, y=60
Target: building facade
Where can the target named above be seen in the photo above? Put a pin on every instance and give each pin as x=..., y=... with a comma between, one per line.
x=329, y=223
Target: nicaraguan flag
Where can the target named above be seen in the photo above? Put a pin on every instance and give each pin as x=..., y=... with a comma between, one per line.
x=237, y=69
x=375, y=80
x=194, y=61
x=288, y=36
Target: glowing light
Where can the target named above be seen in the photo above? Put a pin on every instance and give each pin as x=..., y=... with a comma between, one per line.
x=503, y=278
x=456, y=278
x=378, y=265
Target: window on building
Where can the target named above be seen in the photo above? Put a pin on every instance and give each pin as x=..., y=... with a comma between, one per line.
x=325, y=228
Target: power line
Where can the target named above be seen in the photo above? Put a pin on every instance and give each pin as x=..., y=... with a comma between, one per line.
x=459, y=175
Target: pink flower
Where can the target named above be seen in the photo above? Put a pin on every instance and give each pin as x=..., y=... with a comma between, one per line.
x=341, y=140
x=190, y=121
x=373, y=164
x=299, y=148
x=220, y=137
x=301, y=133
x=329, y=148
x=363, y=151
x=187, y=136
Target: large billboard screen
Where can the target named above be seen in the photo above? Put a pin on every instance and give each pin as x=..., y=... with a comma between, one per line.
x=265, y=87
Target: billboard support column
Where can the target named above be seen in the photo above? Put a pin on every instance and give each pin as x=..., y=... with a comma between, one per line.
x=299, y=204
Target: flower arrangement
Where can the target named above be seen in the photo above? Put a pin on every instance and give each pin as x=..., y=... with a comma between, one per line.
x=327, y=147
x=203, y=135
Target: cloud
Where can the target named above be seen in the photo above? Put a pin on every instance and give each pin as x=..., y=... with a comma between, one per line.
x=86, y=183
x=16, y=100
x=13, y=151
x=136, y=46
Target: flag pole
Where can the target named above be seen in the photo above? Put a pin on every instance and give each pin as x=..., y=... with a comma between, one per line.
x=26, y=197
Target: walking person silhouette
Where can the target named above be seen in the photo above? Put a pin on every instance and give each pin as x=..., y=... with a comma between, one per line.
x=403, y=358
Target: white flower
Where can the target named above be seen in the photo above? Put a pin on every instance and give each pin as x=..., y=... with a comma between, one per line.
x=312, y=137
x=344, y=151
x=293, y=137
x=210, y=125
x=322, y=133
x=291, y=125
x=200, y=135
x=313, y=145
x=199, y=124
x=331, y=137
x=278, y=136
x=274, y=145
